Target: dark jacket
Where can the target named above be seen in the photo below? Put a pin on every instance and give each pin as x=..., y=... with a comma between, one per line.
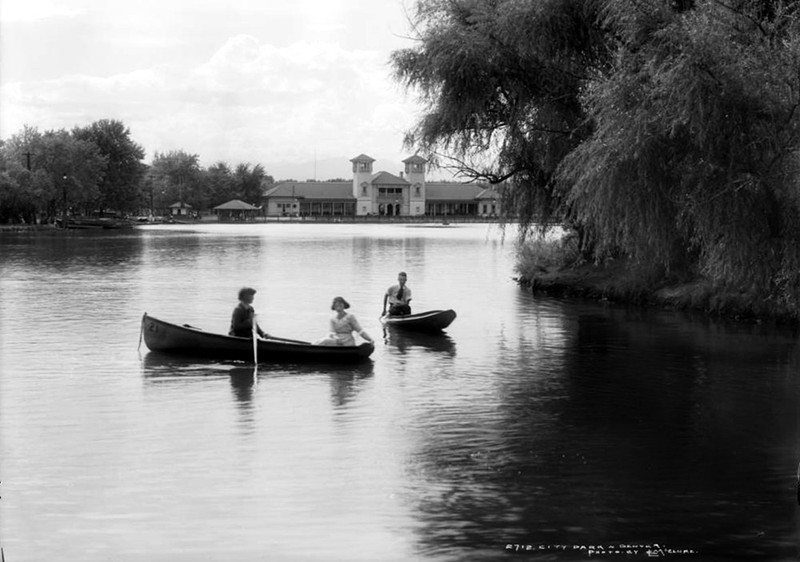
x=242, y=322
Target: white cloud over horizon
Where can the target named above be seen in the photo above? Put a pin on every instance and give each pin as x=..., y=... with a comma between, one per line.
x=32, y=10
x=279, y=101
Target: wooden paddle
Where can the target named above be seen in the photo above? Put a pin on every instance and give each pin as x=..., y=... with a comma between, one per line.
x=141, y=332
x=255, y=350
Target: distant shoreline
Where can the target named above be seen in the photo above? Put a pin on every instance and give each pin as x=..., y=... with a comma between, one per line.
x=420, y=221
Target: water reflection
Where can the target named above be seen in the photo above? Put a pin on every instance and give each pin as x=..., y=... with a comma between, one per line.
x=401, y=248
x=73, y=250
x=553, y=422
x=640, y=412
x=161, y=368
x=243, y=383
x=403, y=340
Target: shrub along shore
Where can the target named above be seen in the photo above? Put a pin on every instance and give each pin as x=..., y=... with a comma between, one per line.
x=552, y=268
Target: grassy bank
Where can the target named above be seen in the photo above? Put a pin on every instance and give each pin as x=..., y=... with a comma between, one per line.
x=554, y=268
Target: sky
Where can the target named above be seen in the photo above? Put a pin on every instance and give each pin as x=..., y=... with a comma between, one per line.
x=298, y=86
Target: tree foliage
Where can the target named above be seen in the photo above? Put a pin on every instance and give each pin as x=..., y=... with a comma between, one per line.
x=501, y=81
x=248, y=182
x=177, y=177
x=64, y=171
x=219, y=185
x=99, y=168
x=120, y=187
x=664, y=131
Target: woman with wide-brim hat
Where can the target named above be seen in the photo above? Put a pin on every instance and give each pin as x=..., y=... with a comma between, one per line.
x=343, y=324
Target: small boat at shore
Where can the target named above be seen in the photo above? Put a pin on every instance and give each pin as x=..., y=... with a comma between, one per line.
x=81, y=223
x=165, y=337
x=430, y=321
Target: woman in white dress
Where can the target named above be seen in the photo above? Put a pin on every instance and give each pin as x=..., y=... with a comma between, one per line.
x=343, y=324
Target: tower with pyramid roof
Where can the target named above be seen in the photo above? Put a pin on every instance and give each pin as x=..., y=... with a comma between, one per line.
x=415, y=175
x=362, y=183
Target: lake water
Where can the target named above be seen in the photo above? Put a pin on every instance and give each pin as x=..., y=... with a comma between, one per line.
x=533, y=429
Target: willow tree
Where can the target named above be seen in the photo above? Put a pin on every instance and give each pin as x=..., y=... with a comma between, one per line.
x=501, y=81
x=667, y=131
x=692, y=160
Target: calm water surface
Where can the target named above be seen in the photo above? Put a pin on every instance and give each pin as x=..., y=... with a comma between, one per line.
x=533, y=429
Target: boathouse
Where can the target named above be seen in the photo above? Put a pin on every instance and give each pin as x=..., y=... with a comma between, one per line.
x=236, y=210
x=180, y=209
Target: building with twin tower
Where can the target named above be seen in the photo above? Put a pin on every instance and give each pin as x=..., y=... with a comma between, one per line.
x=382, y=194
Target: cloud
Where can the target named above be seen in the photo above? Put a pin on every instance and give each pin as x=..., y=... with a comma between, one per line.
x=250, y=101
x=32, y=10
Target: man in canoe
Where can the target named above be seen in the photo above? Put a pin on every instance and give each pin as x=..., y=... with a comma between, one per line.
x=243, y=315
x=398, y=297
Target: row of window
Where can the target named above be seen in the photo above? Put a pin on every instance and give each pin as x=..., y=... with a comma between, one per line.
x=388, y=191
x=349, y=208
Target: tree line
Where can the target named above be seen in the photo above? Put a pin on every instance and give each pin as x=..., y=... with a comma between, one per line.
x=662, y=131
x=100, y=169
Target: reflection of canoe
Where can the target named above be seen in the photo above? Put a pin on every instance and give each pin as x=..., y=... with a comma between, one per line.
x=430, y=321
x=164, y=366
x=404, y=340
x=187, y=340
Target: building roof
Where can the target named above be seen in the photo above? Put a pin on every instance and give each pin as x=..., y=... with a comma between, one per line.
x=362, y=158
x=489, y=193
x=446, y=191
x=236, y=205
x=180, y=205
x=385, y=178
x=313, y=190
x=416, y=159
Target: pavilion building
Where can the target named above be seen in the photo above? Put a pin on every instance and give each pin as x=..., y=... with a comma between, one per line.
x=407, y=194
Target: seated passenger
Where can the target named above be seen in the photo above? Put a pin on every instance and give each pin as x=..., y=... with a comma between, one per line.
x=398, y=297
x=343, y=324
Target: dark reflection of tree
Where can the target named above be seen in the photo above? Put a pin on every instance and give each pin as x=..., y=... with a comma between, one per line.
x=646, y=428
x=80, y=249
x=682, y=416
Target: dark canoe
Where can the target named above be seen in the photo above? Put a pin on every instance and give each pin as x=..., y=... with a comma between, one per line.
x=188, y=340
x=430, y=321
